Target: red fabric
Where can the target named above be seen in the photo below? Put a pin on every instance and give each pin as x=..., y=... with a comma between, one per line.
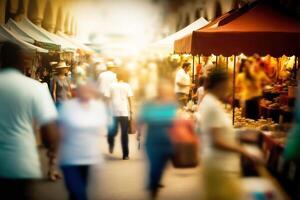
x=183, y=131
x=258, y=28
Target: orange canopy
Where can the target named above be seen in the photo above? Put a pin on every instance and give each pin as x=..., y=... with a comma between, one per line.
x=255, y=28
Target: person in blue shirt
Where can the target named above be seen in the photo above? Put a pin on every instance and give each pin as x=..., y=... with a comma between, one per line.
x=158, y=116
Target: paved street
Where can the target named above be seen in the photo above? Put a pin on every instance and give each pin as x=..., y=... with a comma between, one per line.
x=125, y=180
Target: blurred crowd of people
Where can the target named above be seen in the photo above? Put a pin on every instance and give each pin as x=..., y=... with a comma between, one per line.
x=72, y=123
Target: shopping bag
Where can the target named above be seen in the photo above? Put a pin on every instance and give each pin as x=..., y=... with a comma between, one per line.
x=131, y=126
x=185, y=144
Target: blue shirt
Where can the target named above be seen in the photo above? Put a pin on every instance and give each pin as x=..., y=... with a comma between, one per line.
x=159, y=119
x=22, y=102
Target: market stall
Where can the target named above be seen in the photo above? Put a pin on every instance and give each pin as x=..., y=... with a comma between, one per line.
x=258, y=28
x=165, y=46
x=239, y=32
x=6, y=35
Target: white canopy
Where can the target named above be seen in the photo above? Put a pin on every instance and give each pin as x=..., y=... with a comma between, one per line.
x=65, y=44
x=166, y=45
x=6, y=35
x=25, y=29
x=75, y=42
x=14, y=28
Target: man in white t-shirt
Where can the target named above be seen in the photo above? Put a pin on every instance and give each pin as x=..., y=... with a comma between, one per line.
x=120, y=96
x=183, y=84
x=105, y=79
x=23, y=101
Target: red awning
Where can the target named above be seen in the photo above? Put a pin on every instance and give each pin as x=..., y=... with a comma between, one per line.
x=256, y=28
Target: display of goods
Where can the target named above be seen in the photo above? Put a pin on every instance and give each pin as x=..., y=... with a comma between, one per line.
x=261, y=124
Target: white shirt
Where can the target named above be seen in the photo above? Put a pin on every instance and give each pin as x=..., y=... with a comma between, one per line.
x=213, y=115
x=105, y=79
x=82, y=128
x=118, y=94
x=200, y=94
x=183, y=78
x=22, y=101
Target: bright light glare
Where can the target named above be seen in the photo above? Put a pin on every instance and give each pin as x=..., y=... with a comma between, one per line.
x=118, y=21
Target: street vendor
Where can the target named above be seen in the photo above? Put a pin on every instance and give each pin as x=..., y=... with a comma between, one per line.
x=183, y=83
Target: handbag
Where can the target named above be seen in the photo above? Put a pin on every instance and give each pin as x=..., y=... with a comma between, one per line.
x=131, y=126
x=185, y=144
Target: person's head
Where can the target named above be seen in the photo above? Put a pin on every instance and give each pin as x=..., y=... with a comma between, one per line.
x=186, y=66
x=122, y=75
x=201, y=81
x=218, y=83
x=62, y=68
x=12, y=56
x=205, y=59
x=86, y=91
x=248, y=68
x=243, y=65
x=165, y=90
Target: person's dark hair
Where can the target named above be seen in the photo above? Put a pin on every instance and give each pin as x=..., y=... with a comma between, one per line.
x=186, y=65
x=11, y=55
x=216, y=77
x=248, y=74
x=201, y=81
x=242, y=66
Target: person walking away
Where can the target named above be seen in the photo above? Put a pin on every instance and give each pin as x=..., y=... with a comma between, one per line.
x=23, y=102
x=82, y=122
x=61, y=85
x=105, y=79
x=183, y=84
x=120, y=96
x=220, y=149
x=158, y=117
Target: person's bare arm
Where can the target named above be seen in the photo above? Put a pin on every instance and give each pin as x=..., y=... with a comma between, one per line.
x=220, y=143
x=185, y=85
x=50, y=138
x=69, y=90
x=54, y=91
x=130, y=106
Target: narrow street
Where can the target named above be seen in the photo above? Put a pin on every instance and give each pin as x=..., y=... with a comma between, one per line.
x=125, y=180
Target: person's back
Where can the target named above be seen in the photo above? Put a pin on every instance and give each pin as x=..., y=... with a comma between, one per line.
x=105, y=79
x=23, y=103
x=82, y=127
x=18, y=104
x=119, y=93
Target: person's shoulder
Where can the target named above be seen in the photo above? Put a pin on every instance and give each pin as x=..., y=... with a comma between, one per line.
x=114, y=85
x=35, y=86
x=126, y=84
x=71, y=103
x=209, y=101
x=98, y=104
x=180, y=71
